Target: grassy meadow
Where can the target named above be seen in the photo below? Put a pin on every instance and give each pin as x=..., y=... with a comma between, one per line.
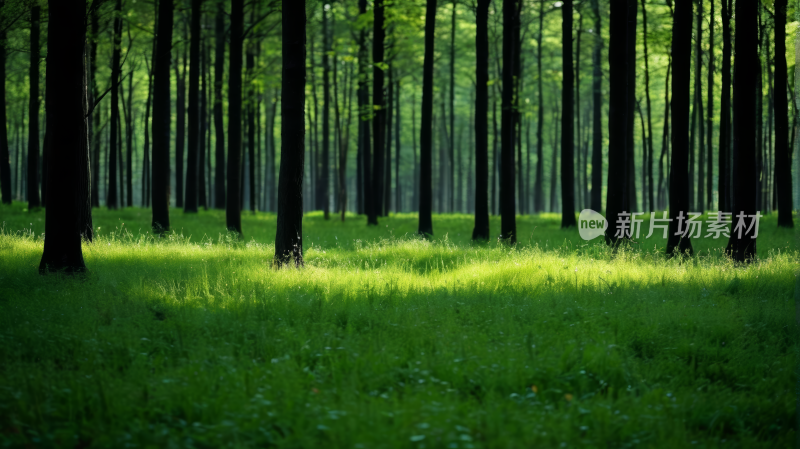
x=386, y=340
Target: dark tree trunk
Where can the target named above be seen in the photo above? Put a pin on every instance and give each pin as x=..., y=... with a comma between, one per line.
x=481, y=229
x=69, y=201
x=783, y=171
x=538, y=190
x=387, y=187
x=33, y=113
x=233, y=213
x=397, y=189
x=631, y=100
x=273, y=180
x=508, y=224
x=742, y=245
x=425, y=135
x=567, y=120
x=195, y=136
x=451, y=141
x=365, y=116
x=202, y=198
x=649, y=159
x=5, y=163
x=379, y=120
x=416, y=186
x=577, y=112
x=161, y=117
x=289, y=235
x=326, y=127
x=723, y=183
x=180, y=121
x=251, y=122
x=700, y=203
x=554, y=161
x=679, y=193
x=94, y=124
x=219, y=127
x=597, y=115
x=618, y=199
x=665, y=140
x=710, y=114
x=129, y=131
x=146, y=156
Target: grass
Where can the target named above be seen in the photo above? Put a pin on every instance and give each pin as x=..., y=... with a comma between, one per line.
x=387, y=340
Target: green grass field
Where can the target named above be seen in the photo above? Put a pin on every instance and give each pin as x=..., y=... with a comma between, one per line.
x=386, y=340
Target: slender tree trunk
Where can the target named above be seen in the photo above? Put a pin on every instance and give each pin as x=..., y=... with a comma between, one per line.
x=415, y=198
x=129, y=133
x=567, y=120
x=577, y=113
x=508, y=225
x=759, y=117
x=538, y=190
x=723, y=183
x=710, y=113
x=33, y=112
x=665, y=140
x=597, y=115
x=233, y=212
x=742, y=245
x=425, y=137
x=783, y=171
x=219, y=70
x=273, y=186
x=326, y=128
x=451, y=142
x=94, y=123
x=204, y=145
x=397, y=189
x=70, y=203
x=161, y=117
x=251, y=121
x=365, y=117
x=680, y=195
x=699, y=105
x=554, y=159
x=180, y=121
x=5, y=163
x=631, y=99
x=379, y=121
x=649, y=169
x=146, y=156
x=387, y=187
x=289, y=235
x=194, y=128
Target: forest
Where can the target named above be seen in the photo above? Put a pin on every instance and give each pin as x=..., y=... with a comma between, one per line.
x=252, y=219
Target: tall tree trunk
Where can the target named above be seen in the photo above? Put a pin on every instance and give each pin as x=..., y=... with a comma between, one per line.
x=273, y=184
x=129, y=132
x=631, y=99
x=759, y=117
x=597, y=115
x=554, y=161
x=723, y=183
x=415, y=199
x=203, y=146
x=69, y=203
x=233, y=213
x=397, y=189
x=387, y=187
x=219, y=70
x=783, y=171
x=379, y=121
x=710, y=113
x=425, y=135
x=679, y=193
x=577, y=112
x=617, y=199
x=180, y=120
x=567, y=120
x=538, y=190
x=452, y=139
x=326, y=127
x=665, y=140
x=161, y=117
x=94, y=124
x=33, y=112
x=5, y=163
x=195, y=136
x=289, y=235
x=146, y=156
x=742, y=245
x=481, y=229
x=699, y=104
x=251, y=121
x=365, y=117
x=508, y=224
x=650, y=195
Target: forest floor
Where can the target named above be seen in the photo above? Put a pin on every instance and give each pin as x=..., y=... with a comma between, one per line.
x=387, y=340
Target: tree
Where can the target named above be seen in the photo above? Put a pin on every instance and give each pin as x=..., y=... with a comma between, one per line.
x=379, y=119
x=94, y=124
x=219, y=71
x=289, y=235
x=597, y=117
x=710, y=113
x=180, y=118
x=233, y=213
x=452, y=140
x=567, y=119
x=69, y=172
x=365, y=116
x=113, y=151
x=326, y=113
x=5, y=164
x=508, y=223
x=618, y=199
x=783, y=173
x=538, y=190
x=742, y=245
x=425, y=133
x=649, y=152
x=161, y=117
x=481, y=229
x=195, y=137
x=33, y=112
x=679, y=193
x=723, y=183
x=698, y=69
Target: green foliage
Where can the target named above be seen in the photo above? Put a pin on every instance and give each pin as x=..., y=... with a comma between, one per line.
x=387, y=340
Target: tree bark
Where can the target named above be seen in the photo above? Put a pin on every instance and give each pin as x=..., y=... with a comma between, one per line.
x=379, y=119
x=180, y=121
x=5, y=163
x=33, y=113
x=679, y=193
x=783, y=171
x=94, y=123
x=742, y=248
x=161, y=117
x=481, y=229
x=289, y=235
x=195, y=138
x=365, y=117
x=219, y=127
x=69, y=173
x=665, y=140
x=251, y=122
x=129, y=132
x=203, y=145
x=649, y=169
x=567, y=120
x=699, y=104
x=723, y=183
x=597, y=117
x=631, y=100
x=326, y=127
x=617, y=198
x=397, y=188
x=710, y=113
x=233, y=213
x=538, y=190
x=451, y=142
x=425, y=135
x=508, y=224
x=387, y=186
